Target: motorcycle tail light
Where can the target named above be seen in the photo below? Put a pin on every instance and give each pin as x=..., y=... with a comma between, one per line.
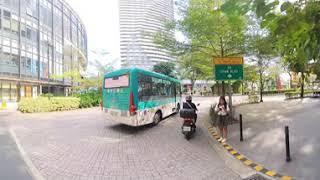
x=189, y=121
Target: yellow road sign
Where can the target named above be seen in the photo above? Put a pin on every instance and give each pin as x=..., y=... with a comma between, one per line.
x=228, y=60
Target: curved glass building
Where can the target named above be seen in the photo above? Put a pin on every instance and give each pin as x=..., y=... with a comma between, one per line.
x=140, y=20
x=38, y=40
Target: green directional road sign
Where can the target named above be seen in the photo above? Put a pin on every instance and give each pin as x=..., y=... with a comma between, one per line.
x=226, y=72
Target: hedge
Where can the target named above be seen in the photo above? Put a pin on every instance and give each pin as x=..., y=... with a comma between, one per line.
x=44, y=104
x=296, y=94
x=273, y=92
x=254, y=98
x=89, y=99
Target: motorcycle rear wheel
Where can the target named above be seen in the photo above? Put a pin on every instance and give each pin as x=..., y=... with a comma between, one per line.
x=188, y=136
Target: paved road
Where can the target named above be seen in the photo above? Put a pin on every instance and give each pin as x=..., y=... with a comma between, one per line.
x=83, y=145
x=264, y=136
x=12, y=167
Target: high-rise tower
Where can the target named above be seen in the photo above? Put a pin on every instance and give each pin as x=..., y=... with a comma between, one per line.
x=139, y=21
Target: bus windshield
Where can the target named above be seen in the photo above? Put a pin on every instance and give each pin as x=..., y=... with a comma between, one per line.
x=116, y=82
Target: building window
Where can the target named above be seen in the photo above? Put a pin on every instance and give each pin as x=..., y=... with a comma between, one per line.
x=5, y=91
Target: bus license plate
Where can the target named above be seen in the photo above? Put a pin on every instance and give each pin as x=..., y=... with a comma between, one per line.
x=186, y=128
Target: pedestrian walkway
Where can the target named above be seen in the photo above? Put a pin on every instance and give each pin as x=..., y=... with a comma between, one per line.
x=264, y=138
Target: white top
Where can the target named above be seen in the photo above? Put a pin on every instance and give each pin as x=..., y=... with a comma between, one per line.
x=220, y=109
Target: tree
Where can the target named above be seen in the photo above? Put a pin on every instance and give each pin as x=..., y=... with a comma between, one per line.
x=251, y=76
x=316, y=70
x=260, y=49
x=211, y=32
x=287, y=69
x=101, y=63
x=262, y=52
x=166, y=68
x=94, y=80
x=73, y=75
x=194, y=66
x=296, y=31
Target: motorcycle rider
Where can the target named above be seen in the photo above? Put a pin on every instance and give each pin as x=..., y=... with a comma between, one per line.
x=190, y=105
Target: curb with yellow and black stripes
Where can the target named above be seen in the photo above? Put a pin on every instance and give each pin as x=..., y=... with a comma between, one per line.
x=255, y=166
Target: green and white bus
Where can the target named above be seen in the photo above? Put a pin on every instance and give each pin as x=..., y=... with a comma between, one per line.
x=137, y=97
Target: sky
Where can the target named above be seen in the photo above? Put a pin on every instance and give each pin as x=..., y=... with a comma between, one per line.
x=101, y=20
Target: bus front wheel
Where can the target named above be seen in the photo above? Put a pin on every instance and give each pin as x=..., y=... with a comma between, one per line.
x=157, y=118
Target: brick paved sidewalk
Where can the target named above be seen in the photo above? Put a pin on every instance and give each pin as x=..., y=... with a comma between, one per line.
x=83, y=145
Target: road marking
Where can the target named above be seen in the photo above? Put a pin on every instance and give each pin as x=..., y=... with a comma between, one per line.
x=233, y=152
x=258, y=168
x=240, y=157
x=249, y=163
x=271, y=173
x=31, y=167
x=286, y=178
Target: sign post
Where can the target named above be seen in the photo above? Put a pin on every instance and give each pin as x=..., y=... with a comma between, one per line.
x=227, y=69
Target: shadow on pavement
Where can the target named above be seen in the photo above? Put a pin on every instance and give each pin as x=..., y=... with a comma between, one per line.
x=130, y=130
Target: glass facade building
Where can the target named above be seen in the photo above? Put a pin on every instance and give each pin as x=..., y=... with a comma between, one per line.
x=139, y=21
x=39, y=39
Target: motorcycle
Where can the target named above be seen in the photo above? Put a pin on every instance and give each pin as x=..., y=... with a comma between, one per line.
x=189, y=123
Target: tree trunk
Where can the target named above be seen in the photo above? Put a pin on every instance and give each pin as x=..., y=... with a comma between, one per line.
x=261, y=86
x=302, y=85
x=252, y=90
x=242, y=88
x=222, y=55
x=192, y=85
x=223, y=93
x=290, y=81
x=218, y=88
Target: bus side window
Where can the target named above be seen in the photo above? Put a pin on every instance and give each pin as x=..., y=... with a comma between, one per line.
x=145, y=87
x=173, y=89
x=178, y=89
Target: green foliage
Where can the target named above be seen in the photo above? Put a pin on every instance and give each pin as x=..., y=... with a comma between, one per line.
x=48, y=95
x=254, y=99
x=209, y=32
x=272, y=92
x=44, y=104
x=295, y=30
x=296, y=94
x=195, y=66
x=89, y=99
x=251, y=73
x=166, y=68
x=316, y=70
x=279, y=91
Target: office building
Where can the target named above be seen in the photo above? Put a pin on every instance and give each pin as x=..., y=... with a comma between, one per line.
x=39, y=39
x=140, y=20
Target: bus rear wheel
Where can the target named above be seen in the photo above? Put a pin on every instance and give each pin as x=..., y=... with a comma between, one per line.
x=157, y=118
x=178, y=108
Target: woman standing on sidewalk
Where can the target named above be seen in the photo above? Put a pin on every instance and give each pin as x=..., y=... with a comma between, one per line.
x=222, y=109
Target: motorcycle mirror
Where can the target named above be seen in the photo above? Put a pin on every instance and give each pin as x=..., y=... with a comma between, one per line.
x=198, y=104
